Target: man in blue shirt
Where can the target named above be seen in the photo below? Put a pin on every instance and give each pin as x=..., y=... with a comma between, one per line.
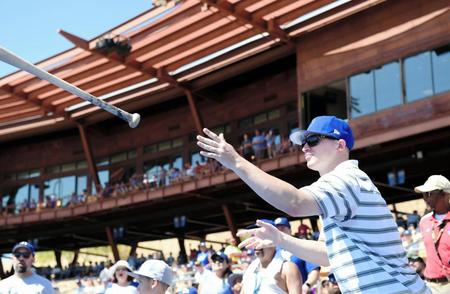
x=310, y=272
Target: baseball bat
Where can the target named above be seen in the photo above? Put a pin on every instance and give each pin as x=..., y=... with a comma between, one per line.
x=14, y=60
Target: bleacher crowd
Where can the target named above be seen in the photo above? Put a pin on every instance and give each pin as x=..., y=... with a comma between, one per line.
x=262, y=145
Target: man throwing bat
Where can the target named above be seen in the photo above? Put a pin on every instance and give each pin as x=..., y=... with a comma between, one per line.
x=360, y=240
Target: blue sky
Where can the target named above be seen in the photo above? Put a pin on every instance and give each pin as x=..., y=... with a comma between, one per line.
x=30, y=28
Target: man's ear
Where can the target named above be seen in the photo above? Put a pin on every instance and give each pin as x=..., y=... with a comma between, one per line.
x=342, y=145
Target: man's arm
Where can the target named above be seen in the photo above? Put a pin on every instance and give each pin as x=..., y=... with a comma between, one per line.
x=293, y=278
x=278, y=193
x=312, y=279
x=267, y=235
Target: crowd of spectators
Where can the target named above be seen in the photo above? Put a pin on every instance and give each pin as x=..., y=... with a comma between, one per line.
x=262, y=145
x=95, y=277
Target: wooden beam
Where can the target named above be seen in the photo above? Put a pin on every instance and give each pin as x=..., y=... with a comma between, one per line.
x=230, y=222
x=58, y=258
x=112, y=243
x=2, y=272
x=246, y=18
x=89, y=158
x=134, y=246
x=77, y=41
x=75, y=257
x=194, y=111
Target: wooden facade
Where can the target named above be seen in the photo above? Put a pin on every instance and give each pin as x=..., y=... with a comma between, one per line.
x=334, y=46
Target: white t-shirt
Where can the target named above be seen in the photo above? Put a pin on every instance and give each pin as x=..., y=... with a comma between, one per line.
x=116, y=289
x=33, y=284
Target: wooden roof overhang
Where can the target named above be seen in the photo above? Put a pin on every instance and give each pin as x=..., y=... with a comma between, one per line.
x=174, y=49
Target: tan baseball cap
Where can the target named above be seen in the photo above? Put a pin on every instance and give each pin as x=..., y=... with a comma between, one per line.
x=434, y=182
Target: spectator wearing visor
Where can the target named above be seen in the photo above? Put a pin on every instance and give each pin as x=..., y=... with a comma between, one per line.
x=217, y=283
x=24, y=279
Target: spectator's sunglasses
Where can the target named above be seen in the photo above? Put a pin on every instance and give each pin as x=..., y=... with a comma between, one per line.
x=314, y=139
x=429, y=194
x=25, y=255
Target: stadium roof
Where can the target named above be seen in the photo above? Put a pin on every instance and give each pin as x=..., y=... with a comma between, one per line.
x=174, y=49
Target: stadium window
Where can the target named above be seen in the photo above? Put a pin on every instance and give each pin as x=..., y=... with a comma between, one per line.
x=441, y=68
x=22, y=195
x=388, y=86
x=104, y=161
x=68, y=167
x=54, y=169
x=246, y=122
x=11, y=177
x=81, y=164
x=23, y=175
x=118, y=157
x=260, y=118
x=151, y=148
x=177, y=143
x=273, y=114
x=131, y=154
x=34, y=192
x=35, y=173
x=196, y=158
x=418, y=76
x=362, y=94
x=81, y=184
x=164, y=145
x=103, y=176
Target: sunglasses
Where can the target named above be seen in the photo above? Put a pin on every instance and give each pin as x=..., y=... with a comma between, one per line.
x=431, y=193
x=23, y=254
x=314, y=139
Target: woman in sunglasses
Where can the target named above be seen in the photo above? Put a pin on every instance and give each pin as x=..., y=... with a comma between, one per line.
x=121, y=281
x=217, y=282
x=360, y=240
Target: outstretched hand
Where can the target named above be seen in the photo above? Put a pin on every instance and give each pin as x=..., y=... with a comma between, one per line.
x=214, y=146
x=264, y=236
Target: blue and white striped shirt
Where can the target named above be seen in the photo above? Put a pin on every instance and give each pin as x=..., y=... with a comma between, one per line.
x=362, y=238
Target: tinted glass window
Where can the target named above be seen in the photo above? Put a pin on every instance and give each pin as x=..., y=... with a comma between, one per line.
x=362, y=94
x=441, y=69
x=417, y=71
x=388, y=87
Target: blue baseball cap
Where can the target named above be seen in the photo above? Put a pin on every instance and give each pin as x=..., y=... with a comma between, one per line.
x=254, y=226
x=330, y=126
x=24, y=244
x=220, y=256
x=282, y=221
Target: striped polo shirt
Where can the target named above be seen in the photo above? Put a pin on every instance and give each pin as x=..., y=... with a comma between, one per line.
x=362, y=238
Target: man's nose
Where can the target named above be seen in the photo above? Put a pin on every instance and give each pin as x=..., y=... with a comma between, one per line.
x=305, y=147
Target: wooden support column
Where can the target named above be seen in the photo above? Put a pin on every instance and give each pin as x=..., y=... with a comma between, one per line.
x=183, y=255
x=75, y=257
x=300, y=110
x=133, y=248
x=58, y=258
x=140, y=160
x=2, y=272
x=230, y=222
x=89, y=158
x=113, y=244
x=194, y=111
x=313, y=221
